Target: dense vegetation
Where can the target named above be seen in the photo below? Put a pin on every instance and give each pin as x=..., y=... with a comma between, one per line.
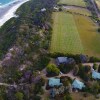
x=29, y=35
x=24, y=49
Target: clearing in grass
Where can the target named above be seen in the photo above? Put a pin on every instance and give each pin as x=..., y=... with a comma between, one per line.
x=65, y=37
x=73, y=2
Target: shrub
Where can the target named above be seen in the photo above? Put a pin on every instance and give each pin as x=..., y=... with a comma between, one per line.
x=67, y=97
x=99, y=30
x=76, y=70
x=95, y=66
x=99, y=69
x=37, y=98
x=19, y=96
x=65, y=68
x=94, y=59
x=42, y=62
x=52, y=70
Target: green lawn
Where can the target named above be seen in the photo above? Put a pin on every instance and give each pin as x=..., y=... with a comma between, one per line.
x=74, y=34
x=89, y=36
x=73, y=2
x=65, y=37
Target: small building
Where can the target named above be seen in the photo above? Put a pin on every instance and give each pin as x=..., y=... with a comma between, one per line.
x=65, y=60
x=54, y=82
x=56, y=8
x=43, y=9
x=77, y=84
x=95, y=74
x=61, y=60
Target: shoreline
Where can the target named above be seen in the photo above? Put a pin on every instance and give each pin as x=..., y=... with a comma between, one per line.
x=8, y=11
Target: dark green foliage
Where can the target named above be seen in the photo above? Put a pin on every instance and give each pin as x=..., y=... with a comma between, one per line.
x=42, y=62
x=65, y=68
x=76, y=57
x=19, y=96
x=8, y=34
x=99, y=69
x=37, y=88
x=87, y=69
x=66, y=80
x=30, y=16
x=76, y=70
x=37, y=98
x=67, y=97
x=84, y=72
x=94, y=59
x=3, y=93
x=99, y=30
x=95, y=66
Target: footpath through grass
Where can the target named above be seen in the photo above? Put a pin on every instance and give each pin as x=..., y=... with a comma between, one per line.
x=65, y=36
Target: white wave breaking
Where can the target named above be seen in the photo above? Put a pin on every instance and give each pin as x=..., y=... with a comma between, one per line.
x=13, y=6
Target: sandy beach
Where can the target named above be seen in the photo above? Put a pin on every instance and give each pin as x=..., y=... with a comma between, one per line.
x=8, y=11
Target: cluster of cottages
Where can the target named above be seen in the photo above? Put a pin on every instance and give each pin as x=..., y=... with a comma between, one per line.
x=66, y=60
x=76, y=84
x=53, y=82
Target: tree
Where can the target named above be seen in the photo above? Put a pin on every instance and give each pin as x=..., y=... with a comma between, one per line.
x=76, y=70
x=98, y=29
x=95, y=88
x=37, y=98
x=65, y=68
x=95, y=66
x=52, y=70
x=99, y=69
x=87, y=69
x=67, y=97
x=60, y=9
x=19, y=96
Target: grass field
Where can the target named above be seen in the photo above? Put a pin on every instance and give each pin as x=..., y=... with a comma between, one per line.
x=74, y=34
x=73, y=2
x=65, y=37
x=89, y=37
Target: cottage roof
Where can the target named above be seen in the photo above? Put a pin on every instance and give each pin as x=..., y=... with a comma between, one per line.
x=95, y=75
x=43, y=9
x=62, y=59
x=54, y=82
x=77, y=84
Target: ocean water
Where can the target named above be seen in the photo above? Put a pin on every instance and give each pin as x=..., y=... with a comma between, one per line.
x=3, y=2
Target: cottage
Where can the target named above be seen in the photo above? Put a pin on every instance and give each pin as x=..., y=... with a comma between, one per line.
x=56, y=8
x=43, y=9
x=65, y=60
x=77, y=84
x=61, y=60
x=54, y=82
x=95, y=74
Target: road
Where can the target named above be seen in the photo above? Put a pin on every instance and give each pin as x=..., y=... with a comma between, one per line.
x=96, y=10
